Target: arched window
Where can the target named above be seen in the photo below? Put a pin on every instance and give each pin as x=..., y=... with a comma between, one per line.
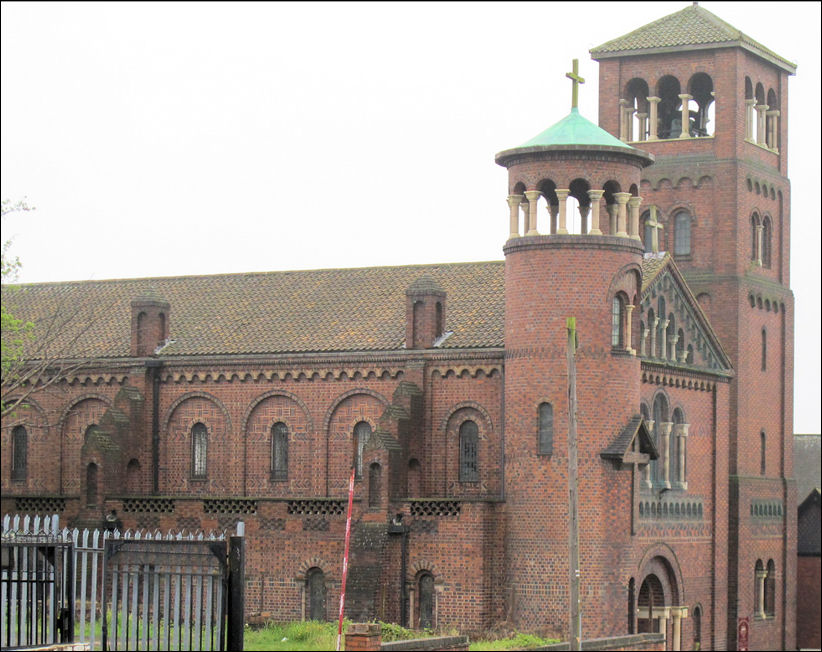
x=647, y=231
x=764, y=349
x=545, y=436
x=133, y=477
x=618, y=322
x=759, y=587
x=315, y=587
x=697, y=621
x=701, y=121
x=362, y=432
x=680, y=345
x=141, y=333
x=766, y=242
x=682, y=234
x=374, y=485
x=660, y=417
x=425, y=590
x=631, y=605
x=20, y=452
x=770, y=589
x=469, y=442
x=755, y=226
x=670, y=333
x=669, y=114
x=762, y=443
x=678, y=450
x=91, y=485
x=414, y=478
x=279, y=451
x=199, y=450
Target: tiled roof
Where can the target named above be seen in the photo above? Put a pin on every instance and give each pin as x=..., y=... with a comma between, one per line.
x=652, y=265
x=692, y=26
x=275, y=312
x=617, y=449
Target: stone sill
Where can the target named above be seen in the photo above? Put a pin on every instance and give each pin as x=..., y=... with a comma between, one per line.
x=764, y=147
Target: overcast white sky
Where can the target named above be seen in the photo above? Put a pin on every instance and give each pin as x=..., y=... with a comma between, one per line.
x=160, y=139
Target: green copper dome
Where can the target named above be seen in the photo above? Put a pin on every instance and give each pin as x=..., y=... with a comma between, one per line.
x=573, y=129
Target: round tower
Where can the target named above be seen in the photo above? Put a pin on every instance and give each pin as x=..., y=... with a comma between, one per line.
x=576, y=252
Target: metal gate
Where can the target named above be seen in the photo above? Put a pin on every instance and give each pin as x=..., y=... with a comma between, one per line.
x=36, y=591
x=164, y=595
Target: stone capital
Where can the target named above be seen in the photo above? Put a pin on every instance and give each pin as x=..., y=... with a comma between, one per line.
x=685, y=96
x=622, y=197
x=634, y=202
x=562, y=194
x=665, y=427
x=653, y=99
x=595, y=195
x=514, y=200
x=533, y=195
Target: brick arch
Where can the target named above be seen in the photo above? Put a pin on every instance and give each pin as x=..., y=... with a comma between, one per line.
x=85, y=397
x=314, y=562
x=189, y=395
x=342, y=397
x=420, y=566
x=277, y=392
x=618, y=282
x=38, y=409
x=660, y=559
x=470, y=405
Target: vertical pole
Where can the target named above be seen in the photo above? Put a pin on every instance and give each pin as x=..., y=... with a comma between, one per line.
x=345, y=555
x=575, y=632
x=236, y=591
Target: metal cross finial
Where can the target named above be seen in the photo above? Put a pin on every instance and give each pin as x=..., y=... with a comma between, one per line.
x=576, y=80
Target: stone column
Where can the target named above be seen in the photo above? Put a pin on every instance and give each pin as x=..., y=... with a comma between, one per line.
x=612, y=210
x=677, y=614
x=583, y=218
x=653, y=117
x=760, y=123
x=643, y=338
x=674, y=340
x=662, y=616
x=526, y=217
x=749, y=109
x=562, y=195
x=684, y=355
x=646, y=472
x=682, y=448
x=553, y=211
x=772, y=130
x=533, y=196
x=629, y=309
x=633, y=224
x=629, y=122
x=653, y=329
x=513, y=220
x=623, y=131
x=643, y=125
x=665, y=437
x=622, y=212
x=686, y=116
x=596, y=197
x=664, y=338
x=760, y=592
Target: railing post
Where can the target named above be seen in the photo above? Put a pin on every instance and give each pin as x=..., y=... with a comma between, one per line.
x=236, y=591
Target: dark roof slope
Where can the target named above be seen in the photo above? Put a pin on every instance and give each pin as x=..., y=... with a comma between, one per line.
x=274, y=312
x=688, y=28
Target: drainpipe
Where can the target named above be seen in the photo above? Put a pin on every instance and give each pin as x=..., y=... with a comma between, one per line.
x=153, y=367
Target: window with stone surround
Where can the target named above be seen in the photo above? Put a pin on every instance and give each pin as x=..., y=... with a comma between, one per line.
x=770, y=589
x=767, y=229
x=682, y=234
x=362, y=432
x=618, y=321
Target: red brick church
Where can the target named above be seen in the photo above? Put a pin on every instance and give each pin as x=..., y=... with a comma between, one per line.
x=664, y=231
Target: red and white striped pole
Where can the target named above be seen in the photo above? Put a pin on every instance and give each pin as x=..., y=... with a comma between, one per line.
x=345, y=556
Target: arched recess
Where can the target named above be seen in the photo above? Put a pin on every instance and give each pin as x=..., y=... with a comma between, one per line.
x=333, y=464
x=702, y=119
x=578, y=207
x=314, y=575
x=669, y=115
x=636, y=93
x=451, y=429
x=31, y=417
x=548, y=205
x=225, y=468
x=610, y=188
x=660, y=588
x=278, y=406
x=75, y=419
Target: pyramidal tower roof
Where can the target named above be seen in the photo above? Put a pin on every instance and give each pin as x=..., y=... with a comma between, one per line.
x=688, y=29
